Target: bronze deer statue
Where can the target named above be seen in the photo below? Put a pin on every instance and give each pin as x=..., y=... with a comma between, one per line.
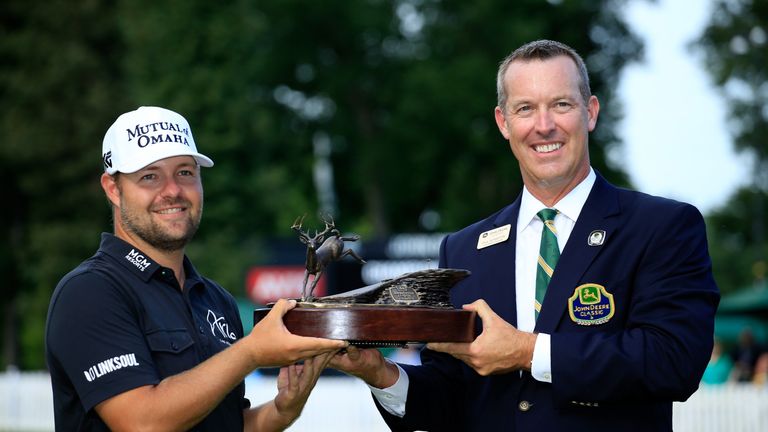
x=322, y=249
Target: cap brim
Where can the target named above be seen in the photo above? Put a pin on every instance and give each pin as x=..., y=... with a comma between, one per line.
x=200, y=158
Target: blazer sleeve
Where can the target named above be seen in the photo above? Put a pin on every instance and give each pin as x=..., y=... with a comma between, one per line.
x=661, y=351
x=435, y=390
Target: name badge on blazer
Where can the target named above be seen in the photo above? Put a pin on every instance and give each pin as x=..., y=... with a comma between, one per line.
x=494, y=236
x=591, y=304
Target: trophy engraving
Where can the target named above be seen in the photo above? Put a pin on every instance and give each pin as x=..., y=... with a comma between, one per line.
x=401, y=294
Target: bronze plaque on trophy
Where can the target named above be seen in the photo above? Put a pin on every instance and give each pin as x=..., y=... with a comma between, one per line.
x=410, y=308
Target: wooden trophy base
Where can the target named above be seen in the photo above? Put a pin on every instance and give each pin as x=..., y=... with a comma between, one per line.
x=379, y=326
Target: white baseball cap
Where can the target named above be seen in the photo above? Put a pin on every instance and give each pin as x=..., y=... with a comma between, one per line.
x=146, y=135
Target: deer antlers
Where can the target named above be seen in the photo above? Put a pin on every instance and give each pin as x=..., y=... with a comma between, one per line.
x=321, y=251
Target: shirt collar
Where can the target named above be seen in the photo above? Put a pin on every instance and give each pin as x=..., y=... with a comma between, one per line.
x=570, y=205
x=192, y=276
x=137, y=262
x=129, y=256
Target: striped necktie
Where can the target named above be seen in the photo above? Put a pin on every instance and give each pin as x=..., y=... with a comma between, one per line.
x=549, y=253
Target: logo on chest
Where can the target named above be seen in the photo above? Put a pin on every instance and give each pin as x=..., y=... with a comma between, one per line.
x=220, y=328
x=591, y=304
x=137, y=259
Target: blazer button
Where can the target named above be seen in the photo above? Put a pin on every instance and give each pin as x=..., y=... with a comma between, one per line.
x=524, y=406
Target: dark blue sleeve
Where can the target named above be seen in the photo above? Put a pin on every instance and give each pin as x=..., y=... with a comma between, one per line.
x=95, y=338
x=434, y=392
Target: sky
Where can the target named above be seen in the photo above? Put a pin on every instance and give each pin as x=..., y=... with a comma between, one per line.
x=676, y=143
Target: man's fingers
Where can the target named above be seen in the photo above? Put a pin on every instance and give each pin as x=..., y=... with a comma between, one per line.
x=353, y=353
x=313, y=367
x=282, y=376
x=322, y=360
x=306, y=347
x=295, y=374
x=288, y=377
x=451, y=348
x=484, y=311
x=282, y=307
x=322, y=346
x=481, y=307
x=438, y=346
x=309, y=366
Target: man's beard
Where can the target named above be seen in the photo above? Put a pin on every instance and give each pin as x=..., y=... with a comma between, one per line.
x=153, y=233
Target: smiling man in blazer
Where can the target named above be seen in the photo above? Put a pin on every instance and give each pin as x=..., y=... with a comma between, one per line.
x=597, y=303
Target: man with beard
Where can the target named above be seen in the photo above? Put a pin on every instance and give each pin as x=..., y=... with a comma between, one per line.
x=136, y=338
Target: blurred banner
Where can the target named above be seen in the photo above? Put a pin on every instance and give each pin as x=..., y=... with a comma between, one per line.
x=282, y=273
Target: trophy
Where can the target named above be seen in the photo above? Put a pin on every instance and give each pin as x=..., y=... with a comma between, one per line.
x=411, y=308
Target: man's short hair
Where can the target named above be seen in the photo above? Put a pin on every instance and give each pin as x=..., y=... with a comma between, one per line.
x=541, y=50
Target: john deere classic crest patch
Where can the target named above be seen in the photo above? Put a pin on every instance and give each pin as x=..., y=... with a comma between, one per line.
x=591, y=304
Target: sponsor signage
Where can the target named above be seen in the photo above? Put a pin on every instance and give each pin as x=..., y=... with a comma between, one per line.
x=266, y=284
x=386, y=258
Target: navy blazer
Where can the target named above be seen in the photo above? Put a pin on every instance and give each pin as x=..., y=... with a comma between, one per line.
x=622, y=374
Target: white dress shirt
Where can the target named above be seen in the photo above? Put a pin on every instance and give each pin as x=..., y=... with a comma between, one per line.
x=529, y=228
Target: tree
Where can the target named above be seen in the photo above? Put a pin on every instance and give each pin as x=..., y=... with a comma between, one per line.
x=378, y=111
x=397, y=96
x=58, y=75
x=738, y=259
x=735, y=49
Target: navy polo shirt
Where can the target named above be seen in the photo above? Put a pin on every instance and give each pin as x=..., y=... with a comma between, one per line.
x=119, y=321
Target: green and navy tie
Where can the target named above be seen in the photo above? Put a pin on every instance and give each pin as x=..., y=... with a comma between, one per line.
x=549, y=253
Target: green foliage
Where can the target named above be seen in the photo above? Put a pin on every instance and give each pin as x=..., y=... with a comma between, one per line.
x=58, y=79
x=737, y=240
x=735, y=46
x=735, y=49
x=399, y=94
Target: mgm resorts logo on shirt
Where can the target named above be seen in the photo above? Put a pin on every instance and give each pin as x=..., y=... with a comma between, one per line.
x=137, y=259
